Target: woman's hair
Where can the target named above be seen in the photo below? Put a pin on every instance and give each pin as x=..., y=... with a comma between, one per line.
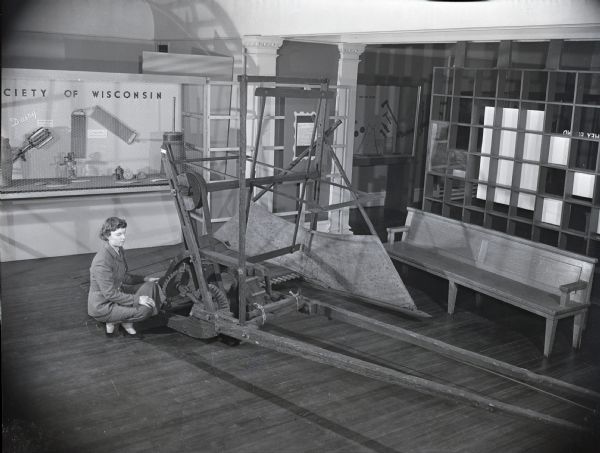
x=111, y=224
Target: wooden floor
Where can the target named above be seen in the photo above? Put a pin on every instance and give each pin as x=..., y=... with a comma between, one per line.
x=67, y=388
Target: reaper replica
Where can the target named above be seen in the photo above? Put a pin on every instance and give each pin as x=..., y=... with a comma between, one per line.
x=224, y=283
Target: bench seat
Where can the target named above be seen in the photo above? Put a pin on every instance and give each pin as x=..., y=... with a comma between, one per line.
x=522, y=273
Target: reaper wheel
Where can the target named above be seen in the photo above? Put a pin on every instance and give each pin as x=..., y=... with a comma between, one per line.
x=180, y=278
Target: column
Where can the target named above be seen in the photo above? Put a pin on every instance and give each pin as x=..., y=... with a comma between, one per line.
x=344, y=135
x=261, y=59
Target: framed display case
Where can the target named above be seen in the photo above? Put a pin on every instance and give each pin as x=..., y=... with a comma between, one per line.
x=74, y=133
x=517, y=151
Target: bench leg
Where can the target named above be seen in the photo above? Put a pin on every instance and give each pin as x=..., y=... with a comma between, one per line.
x=578, y=325
x=549, y=337
x=452, y=290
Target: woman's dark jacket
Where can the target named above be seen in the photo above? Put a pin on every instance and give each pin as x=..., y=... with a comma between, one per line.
x=108, y=274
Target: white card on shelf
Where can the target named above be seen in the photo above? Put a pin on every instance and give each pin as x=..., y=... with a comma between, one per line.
x=510, y=117
x=484, y=168
x=488, y=116
x=481, y=191
x=583, y=184
x=486, y=141
x=529, y=176
x=505, y=172
x=502, y=196
x=508, y=140
x=532, y=146
x=534, y=120
x=526, y=201
x=551, y=211
x=559, y=150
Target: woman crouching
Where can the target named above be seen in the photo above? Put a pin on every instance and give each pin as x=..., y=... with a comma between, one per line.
x=117, y=297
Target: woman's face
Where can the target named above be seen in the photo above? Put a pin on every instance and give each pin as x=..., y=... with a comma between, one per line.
x=117, y=237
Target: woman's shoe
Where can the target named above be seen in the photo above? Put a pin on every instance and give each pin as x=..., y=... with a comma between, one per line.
x=115, y=330
x=133, y=336
x=114, y=333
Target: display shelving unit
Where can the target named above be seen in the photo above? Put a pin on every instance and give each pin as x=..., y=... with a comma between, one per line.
x=517, y=151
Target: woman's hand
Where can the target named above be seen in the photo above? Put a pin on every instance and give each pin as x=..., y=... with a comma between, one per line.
x=147, y=301
x=151, y=279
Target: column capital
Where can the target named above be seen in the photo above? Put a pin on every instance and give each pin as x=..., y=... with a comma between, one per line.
x=256, y=44
x=350, y=51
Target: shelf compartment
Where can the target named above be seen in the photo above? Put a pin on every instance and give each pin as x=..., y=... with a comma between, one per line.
x=535, y=85
x=501, y=207
x=577, y=217
x=545, y=235
x=465, y=110
x=497, y=223
x=460, y=137
x=474, y=216
x=454, y=191
x=509, y=84
x=593, y=249
x=435, y=187
x=440, y=108
x=524, y=214
x=558, y=118
x=465, y=82
x=453, y=211
x=553, y=181
x=588, y=91
x=586, y=122
x=485, y=83
x=584, y=154
x=521, y=229
x=433, y=206
x=573, y=243
x=561, y=87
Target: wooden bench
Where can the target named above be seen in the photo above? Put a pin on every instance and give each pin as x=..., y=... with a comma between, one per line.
x=541, y=279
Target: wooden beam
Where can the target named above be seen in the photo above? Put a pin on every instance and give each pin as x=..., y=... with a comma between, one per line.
x=448, y=350
x=307, y=351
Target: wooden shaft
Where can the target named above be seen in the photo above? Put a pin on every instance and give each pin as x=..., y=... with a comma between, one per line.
x=381, y=373
x=450, y=351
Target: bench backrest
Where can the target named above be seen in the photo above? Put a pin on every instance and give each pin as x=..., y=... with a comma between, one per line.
x=534, y=264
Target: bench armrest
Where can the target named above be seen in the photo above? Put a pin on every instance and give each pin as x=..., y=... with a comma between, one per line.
x=391, y=231
x=566, y=290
